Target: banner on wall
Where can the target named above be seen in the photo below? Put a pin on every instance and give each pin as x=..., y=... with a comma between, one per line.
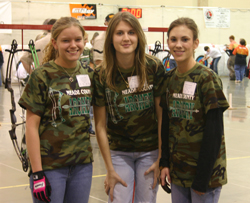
x=217, y=17
x=83, y=11
x=5, y=15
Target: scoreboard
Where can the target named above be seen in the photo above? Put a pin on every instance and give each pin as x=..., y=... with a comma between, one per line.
x=137, y=12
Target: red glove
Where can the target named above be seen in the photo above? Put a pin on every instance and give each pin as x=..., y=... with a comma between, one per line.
x=41, y=186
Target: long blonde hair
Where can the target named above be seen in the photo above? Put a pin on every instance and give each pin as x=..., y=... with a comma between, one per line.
x=109, y=66
x=58, y=27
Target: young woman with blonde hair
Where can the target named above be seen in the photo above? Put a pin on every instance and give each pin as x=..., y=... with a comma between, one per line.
x=128, y=88
x=57, y=98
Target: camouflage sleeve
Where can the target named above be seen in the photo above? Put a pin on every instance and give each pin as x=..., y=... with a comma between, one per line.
x=91, y=56
x=159, y=80
x=35, y=94
x=99, y=89
x=212, y=93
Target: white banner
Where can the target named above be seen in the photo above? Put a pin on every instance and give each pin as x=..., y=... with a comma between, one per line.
x=217, y=17
x=5, y=15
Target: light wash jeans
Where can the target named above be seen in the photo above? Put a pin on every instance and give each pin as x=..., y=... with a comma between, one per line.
x=239, y=71
x=131, y=167
x=187, y=195
x=68, y=184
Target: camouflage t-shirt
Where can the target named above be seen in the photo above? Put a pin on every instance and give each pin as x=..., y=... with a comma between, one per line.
x=132, y=119
x=87, y=56
x=189, y=96
x=64, y=110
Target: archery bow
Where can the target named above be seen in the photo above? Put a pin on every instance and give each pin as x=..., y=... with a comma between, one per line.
x=21, y=152
x=33, y=52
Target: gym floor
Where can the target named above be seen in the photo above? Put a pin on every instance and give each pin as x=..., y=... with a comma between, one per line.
x=14, y=184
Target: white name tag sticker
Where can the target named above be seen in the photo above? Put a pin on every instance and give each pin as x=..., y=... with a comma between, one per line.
x=189, y=88
x=83, y=80
x=133, y=81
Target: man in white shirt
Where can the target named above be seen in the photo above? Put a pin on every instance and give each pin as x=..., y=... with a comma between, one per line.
x=215, y=55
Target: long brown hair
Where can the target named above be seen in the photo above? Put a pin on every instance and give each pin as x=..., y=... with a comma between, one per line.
x=109, y=65
x=58, y=27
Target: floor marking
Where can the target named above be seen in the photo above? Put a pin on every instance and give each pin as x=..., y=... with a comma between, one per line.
x=97, y=176
x=245, y=157
x=239, y=185
x=14, y=186
x=12, y=167
x=97, y=198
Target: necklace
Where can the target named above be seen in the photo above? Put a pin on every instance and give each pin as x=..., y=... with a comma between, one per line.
x=127, y=84
x=70, y=76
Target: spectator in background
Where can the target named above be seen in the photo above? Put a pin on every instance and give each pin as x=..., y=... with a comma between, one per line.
x=87, y=55
x=1, y=64
x=241, y=52
x=215, y=55
x=99, y=43
x=230, y=62
x=45, y=32
x=27, y=58
x=93, y=38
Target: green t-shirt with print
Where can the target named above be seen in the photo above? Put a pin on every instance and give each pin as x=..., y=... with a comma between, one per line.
x=189, y=96
x=64, y=110
x=132, y=119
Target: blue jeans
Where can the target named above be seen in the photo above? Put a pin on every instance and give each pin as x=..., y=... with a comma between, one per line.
x=68, y=184
x=239, y=71
x=187, y=195
x=131, y=166
x=215, y=64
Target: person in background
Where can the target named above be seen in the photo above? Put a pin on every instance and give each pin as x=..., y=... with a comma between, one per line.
x=241, y=52
x=215, y=55
x=99, y=43
x=128, y=87
x=87, y=55
x=57, y=98
x=1, y=64
x=45, y=32
x=87, y=59
x=27, y=58
x=231, y=60
x=93, y=38
x=193, y=156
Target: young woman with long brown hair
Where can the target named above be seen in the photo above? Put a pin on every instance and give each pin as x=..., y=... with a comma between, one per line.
x=127, y=91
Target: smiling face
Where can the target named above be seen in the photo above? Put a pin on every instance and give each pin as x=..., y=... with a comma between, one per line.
x=181, y=44
x=125, y=40
x=69, y=45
